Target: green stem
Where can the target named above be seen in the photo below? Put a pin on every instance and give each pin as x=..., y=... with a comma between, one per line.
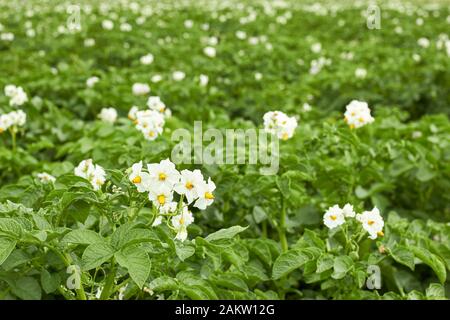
x=13, y=136
x=282, y=227
x=106, y=293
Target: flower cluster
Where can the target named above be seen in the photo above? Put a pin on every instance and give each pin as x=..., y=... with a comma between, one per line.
x=162, y=180
x=357, y=114
x=46, y=178
x=12, y=119
x=279, y=124
x=16, y=94
x=371, y=221
x=151, y=121
x=92, y=172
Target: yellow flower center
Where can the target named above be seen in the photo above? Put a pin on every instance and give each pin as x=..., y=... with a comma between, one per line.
x=380, y=233
x=189, y=185
x=162, y=176
x=209, y=195
x=161, y=199
x=137, y=179
x=370, y=222
x=361, y=119
x=352, y=126
x=135, y=121
x=1, y=130
x=285, y=136
x=181, y=220
x=333, y=217
x=353, y=113
x=99, y=182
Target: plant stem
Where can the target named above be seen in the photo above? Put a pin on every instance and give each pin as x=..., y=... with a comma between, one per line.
x=282, y=227
x=109, y=282
x=13, y=136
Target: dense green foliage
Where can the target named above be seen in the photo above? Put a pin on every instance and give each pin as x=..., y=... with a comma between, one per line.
x=236, y=248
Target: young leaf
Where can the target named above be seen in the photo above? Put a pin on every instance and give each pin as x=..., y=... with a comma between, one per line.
x=225, y=233
x=291, y=260
x=6, y=247
x=137, y=262
x=341, y=266
x=96, y=254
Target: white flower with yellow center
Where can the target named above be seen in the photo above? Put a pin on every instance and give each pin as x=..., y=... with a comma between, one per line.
x=84, y=169
x=181, y=222
x=357, y=114
x=279, y=124
x=5, y=122
x=97, y=177
x=178, y=75
x=16, y=94
x=205, y=194
x=372, y=222
x=150, y=123
x=90, y=82
x=189, y=183
x=155, y=103
x=132, y=113
x=163, y=174
x=210, y=51
x=160, y=196
x=334, y=217
x=139, y=178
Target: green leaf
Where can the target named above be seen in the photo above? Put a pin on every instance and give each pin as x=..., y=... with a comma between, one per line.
x=230, y=281
x=404, y=256
x=49, y=282
x=120, y=236
x=197, y=292
x=96, y=254
x=184, y=251
x=341, y=266
x=324, y=263
x=82, y=236
x=293, y=259
x=10, y=227
x=164, y=283
x=26, y=288
x=6, y=247
x=433, y=261
x=435, y=291
x=225, y=233
x=137, y=262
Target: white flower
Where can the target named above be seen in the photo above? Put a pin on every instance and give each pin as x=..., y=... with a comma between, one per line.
x=181, y=222
x=360, y=73
x=188, y=24
x=164, y=174
x=306, y=107
x=189, y=184
x=84, y=169
x=5, y=122
x=140, y=89
x=258, y=76
x=139, y=178
x=160, y=195
x=334, y=217
x=90, y=82
x=423, y=42
x=357, y=114
x=97, y=177
x=150, y=123
x=126, y=27
x=204, y=79
x=279, y=124
x=416, y=57
x=156, y=78
x=316, y=47
x=44, y=177
x=348, y=212
x=107, y=24
x=108, y=115
x=157, y=221
x=7, y=36
x=178, y=75
x=210, y=51
x=89, y=42
x=155, y=103
x=205, y=194
x=132, y=112
x=372, y=222
x=147, y=59
x=241, y=35
x=318, y=64
x=16, y=94
x=17, y=118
